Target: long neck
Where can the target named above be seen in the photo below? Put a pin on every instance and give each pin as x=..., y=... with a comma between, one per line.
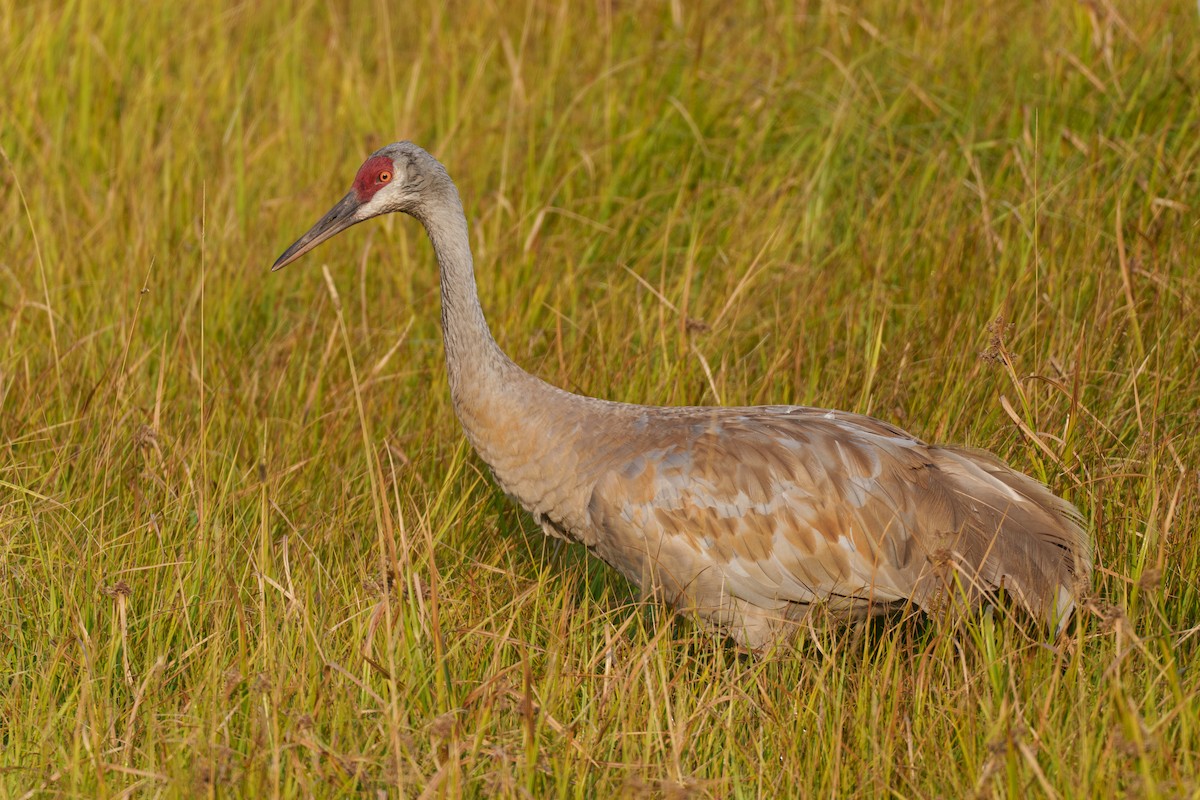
x=527, y=431
x=471, y=352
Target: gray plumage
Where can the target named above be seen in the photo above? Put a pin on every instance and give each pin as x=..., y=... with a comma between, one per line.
x=747, y=517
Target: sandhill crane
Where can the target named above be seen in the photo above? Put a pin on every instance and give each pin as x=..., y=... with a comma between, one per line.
x=746, y=517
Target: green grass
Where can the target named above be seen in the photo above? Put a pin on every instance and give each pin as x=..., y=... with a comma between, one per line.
x=232, y=565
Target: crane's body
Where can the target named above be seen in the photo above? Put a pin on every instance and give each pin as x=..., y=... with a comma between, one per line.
x=747, y=517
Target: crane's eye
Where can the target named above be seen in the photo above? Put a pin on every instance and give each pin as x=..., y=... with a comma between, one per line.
x=385, y=176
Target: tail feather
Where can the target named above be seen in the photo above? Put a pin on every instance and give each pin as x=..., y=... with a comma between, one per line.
x=1017, y=535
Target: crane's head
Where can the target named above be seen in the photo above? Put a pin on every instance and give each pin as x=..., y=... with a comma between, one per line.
x=391, y=179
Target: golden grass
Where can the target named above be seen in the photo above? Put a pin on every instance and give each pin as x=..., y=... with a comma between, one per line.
x=244, y=550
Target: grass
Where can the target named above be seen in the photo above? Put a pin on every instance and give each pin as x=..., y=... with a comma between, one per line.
x=244, y=550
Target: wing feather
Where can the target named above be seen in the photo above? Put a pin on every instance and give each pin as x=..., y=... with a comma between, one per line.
x=750, y=516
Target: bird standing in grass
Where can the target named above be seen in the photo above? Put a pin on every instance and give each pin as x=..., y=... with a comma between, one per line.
x=747, y=517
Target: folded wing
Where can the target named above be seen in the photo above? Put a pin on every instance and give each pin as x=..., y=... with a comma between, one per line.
x=750, y=516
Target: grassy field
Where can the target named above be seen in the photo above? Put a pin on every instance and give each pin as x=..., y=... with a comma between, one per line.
x=977, y=221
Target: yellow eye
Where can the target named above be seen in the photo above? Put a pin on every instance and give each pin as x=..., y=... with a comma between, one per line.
x=385, y=176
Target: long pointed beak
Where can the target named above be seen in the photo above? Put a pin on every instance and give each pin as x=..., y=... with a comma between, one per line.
x=340, y=217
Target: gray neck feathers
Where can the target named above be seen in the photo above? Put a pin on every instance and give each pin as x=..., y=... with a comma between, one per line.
x=471, y=352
